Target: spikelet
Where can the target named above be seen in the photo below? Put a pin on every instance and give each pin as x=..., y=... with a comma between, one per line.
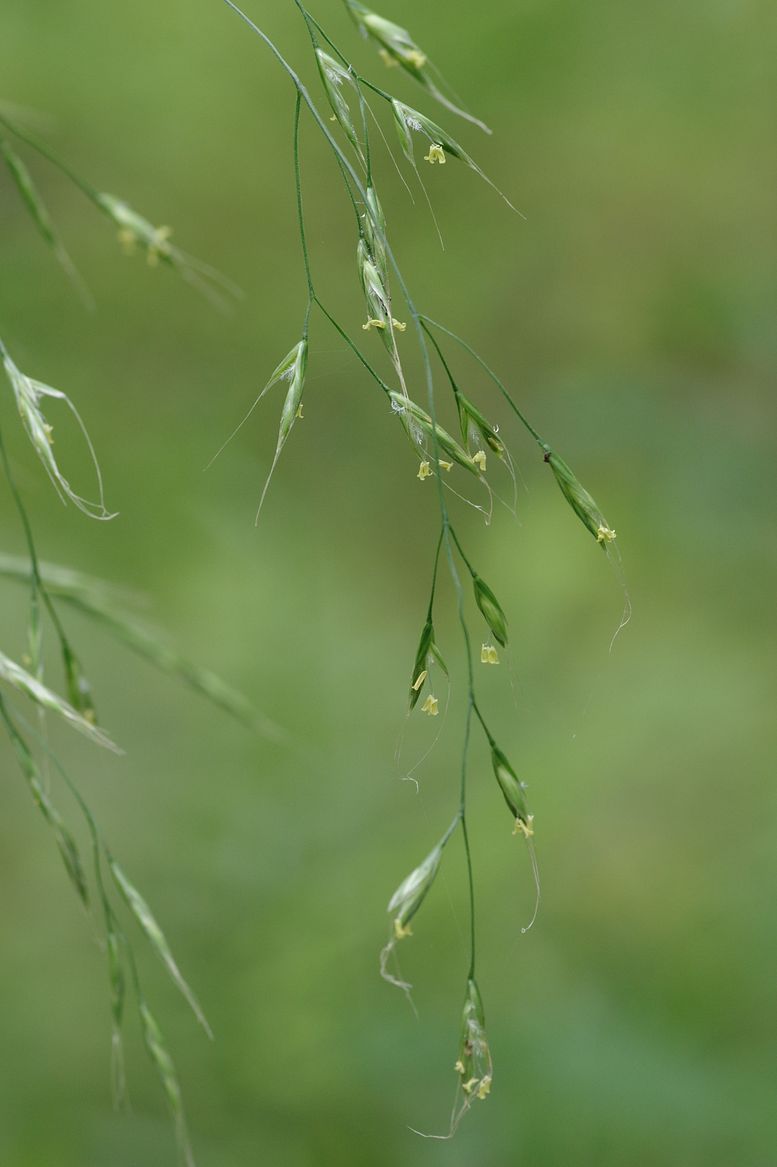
x=29, y=396
x=580, y=500
x=397, y=47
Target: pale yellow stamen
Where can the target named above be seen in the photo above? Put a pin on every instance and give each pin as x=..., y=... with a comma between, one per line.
x=399, y=325
x=436, y=154
x=459, y=1067
x=424, y=471
x=159, y=245
x=467, y=1086
x=127, y=240
x=416, y=58
x=488, y=654
x=387, y=59
x=484, y=1087
x=430, y=706
x=401, y=930
x=49, y=432
x=418, y=682
x=524, y=828
x=605, y=534
x=373, y=322
x=480, y=460
x=445, y=465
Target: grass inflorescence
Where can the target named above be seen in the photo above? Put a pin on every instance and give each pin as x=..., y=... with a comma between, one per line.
x=457, y=464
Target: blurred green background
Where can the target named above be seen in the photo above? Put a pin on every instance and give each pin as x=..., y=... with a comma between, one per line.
x=633, y=314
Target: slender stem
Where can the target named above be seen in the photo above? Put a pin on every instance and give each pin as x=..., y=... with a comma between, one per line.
x=35, y=143
x=465, y=835
x=499, y=384
x=462, y=553
x=434, y=573
x=354, y=348
x=486, y=730
x=312, y=294
x=301, y=219
x=443, y=362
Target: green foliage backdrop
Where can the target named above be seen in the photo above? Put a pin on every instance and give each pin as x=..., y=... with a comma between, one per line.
x=633, y=313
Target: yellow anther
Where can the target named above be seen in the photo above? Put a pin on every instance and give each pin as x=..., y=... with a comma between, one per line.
x=467, y=1086
x=424, y=471
x=459, y=1067
x=488, y=654
x=373, y=322
x=127, y=239
x=525, y=828
x=445, y=465
x=605, y=534
x=299, y=413
x=480, y=460
x=484, y=1087
x=416, y=58
x=399, y=325
x=436, y=154
x=387, y=59
x=159, y=245
x=418, y=682
x=401, y=930
x=430, y=706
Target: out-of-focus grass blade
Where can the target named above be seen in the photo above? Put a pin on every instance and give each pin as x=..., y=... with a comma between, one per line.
x=156, y=937
x=68, y=848
x=165, y=1068
x=40, y=216
x=14, y=675
x=96, y=599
